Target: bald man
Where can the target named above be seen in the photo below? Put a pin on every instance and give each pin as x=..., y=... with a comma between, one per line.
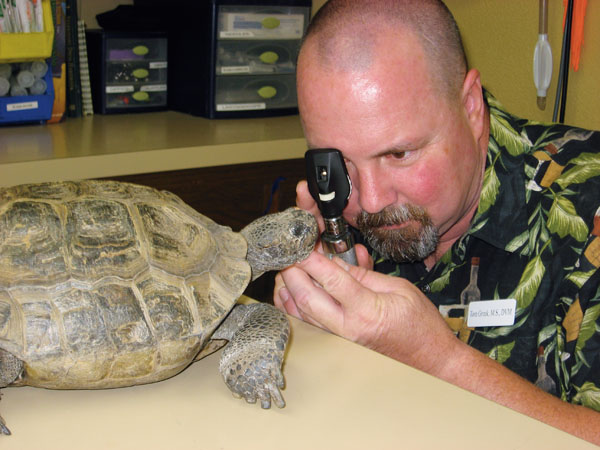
x=480, y=263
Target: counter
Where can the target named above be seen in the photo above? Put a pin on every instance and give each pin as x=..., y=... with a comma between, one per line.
x=112, y=145
x=339, y=396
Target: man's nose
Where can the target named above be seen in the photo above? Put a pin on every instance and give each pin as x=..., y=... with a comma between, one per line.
x=375, y=190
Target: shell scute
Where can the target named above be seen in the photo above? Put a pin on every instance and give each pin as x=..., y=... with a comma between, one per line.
x=168, y=308
x=174, y=242
x=102, y=240
x=212, y=299
x=56, y=191
x=11, y=325
x=124, y=318
x=42, y=335
x=85, y=329
x=31, y=244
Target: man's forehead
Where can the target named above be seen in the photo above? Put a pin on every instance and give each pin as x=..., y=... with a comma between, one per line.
x=357, y=48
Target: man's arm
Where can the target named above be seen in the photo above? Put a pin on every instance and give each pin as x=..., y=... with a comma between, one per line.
x=476, y=372
x=392, y=316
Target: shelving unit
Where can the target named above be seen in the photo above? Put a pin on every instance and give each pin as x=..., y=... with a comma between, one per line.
x=128, y=71
x=231, y=59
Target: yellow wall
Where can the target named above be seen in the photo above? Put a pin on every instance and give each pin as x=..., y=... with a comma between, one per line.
x=500, y=36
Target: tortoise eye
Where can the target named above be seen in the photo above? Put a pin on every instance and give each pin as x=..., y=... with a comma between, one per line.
x=298, y=230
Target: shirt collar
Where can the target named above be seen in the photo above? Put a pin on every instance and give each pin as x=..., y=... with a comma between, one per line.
x=503, y=193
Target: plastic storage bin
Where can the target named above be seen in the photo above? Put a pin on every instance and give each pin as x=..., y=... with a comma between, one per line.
x=15, y=47
x=252, y=58
x=128, y=71
x=28, y=108
x=265, y=92
x=234, y=58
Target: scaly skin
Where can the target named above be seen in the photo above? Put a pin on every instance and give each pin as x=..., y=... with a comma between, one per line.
x=251, y=362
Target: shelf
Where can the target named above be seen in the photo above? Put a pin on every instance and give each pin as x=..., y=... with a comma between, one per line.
x=112, y=145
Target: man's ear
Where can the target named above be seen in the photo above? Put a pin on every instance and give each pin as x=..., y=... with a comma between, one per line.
x=473, y=103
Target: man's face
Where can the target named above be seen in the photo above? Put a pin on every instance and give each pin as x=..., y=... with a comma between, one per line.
x=415, y=165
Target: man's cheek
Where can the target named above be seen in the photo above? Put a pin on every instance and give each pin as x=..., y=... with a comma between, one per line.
x=427, y=186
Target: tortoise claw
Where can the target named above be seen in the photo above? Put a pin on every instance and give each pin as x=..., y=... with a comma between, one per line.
x=3, y=429
x=275, y=396
x=253, y=385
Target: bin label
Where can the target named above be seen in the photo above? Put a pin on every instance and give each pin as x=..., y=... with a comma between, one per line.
x=22, y=106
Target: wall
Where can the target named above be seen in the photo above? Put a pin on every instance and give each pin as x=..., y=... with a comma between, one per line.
x=499, y=38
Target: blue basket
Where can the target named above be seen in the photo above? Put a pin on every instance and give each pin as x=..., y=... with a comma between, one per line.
x=28, y=108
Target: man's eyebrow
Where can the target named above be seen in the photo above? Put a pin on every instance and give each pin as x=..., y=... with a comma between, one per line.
x=401, y=147
x=398, y=147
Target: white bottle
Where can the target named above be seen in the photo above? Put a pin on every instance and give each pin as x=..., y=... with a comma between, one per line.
x=4, y=86
x=38, y=88
x=39, y=68
x=16, y=90
x=25, y=78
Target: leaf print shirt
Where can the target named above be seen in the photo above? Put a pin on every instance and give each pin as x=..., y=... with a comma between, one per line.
x=535, y=238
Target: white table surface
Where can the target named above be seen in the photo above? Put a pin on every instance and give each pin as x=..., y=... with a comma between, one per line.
x=339, y=396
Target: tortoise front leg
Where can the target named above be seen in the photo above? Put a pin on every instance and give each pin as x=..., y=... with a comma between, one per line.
x=10, y=369
x=251, y=361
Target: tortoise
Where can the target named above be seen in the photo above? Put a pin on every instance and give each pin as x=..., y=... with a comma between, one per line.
x=105, y=284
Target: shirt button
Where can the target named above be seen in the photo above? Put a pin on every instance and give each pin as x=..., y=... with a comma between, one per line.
x=426, y=289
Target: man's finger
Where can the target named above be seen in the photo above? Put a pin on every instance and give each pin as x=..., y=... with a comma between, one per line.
x=335, y=281
x=363, y=257
x=284, y=301
x=312, y=302
x=353, y=284
x=305, y=201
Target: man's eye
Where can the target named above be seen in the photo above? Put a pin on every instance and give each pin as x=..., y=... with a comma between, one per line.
x=397, y=155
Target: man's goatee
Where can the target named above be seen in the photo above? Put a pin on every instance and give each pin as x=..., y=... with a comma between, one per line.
x=413, y=242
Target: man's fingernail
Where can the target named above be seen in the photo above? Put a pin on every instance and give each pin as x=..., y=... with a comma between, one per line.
x=343, y=264
x=284, y=295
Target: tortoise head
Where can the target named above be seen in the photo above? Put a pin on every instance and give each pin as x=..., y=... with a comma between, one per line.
x=276, y=241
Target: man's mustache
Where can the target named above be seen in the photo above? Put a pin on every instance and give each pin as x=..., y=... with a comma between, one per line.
x=392, y=215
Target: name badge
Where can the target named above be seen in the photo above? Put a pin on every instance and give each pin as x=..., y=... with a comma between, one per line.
x=492, y=313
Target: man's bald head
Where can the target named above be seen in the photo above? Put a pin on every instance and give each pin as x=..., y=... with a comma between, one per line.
x=347, y=34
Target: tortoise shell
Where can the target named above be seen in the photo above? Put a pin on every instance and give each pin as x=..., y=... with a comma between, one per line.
x=128, y=281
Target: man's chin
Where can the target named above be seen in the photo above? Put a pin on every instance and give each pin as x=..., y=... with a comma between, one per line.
x=407, y=233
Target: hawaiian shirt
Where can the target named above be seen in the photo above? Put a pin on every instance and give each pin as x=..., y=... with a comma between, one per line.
x=535, y=238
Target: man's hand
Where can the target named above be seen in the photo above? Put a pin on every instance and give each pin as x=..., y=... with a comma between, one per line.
x=305, y=201
x=387, y=314
x=393, y=317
